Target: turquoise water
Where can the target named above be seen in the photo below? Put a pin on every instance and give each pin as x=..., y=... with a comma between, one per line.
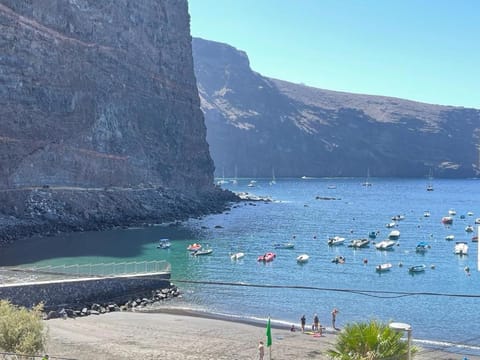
x=253, y=228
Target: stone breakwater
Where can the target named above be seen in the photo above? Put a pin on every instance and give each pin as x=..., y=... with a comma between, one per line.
x=48, y=211
x=81, y=296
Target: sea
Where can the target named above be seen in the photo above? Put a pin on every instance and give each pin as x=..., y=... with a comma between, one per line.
x=440, y=303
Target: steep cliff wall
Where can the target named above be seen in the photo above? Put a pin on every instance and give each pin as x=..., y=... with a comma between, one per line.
x=99, y=93
x=256, y=123
x=100, y=120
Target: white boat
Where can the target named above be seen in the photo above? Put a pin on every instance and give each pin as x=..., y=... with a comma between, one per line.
x=359, y=243
x=452, y=212
x=422, y=247
x=391, y=225
x=469, y=213
x=383, y=267
x=448, y=220
x=461, y=248
x=398, y=217
x=336, y=240
x=222, y=181
x=302, y=258
x=164, y=244
x=429, y=183
x=202, y=252
x=394, y=235
x=469, y=229
x=284, y=246
x=426, y=213
x=417, y=268
x=237, y=256
x=385, y=245
x=477, y=221
x=449, y=237
x=252, y=183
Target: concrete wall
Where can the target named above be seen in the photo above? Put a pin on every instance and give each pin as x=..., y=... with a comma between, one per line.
x=84, y=291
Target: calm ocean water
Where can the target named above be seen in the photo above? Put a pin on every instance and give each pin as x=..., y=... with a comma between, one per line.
x=355, y=288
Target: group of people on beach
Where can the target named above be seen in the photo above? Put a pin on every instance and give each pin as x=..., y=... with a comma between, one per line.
x=316, y=326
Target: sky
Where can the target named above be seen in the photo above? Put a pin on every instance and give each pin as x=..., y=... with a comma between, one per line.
x=423, y=50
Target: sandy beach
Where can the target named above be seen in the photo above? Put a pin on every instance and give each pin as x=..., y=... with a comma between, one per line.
x=180, y=335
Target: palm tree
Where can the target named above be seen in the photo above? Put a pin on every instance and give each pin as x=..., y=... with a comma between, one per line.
x=369, y=341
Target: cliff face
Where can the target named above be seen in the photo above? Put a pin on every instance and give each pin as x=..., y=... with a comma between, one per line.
x=100, y=119
x=99, y=93
x=256, y=123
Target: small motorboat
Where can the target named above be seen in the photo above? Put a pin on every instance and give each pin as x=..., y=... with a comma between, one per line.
x=301, y=259
x=338, y=260
x=383, y=267
x=202, y=252
x=426, y=213
x=474, y=238
x=252, y=183
x=385, y=245
x=373, y=234
x=449, y=237
x=469, y=229
x=267, y=257
x=284, y=246
x=359, y=243
x=447, y=220
x=194, y=247
x=237, y=256
x=477, y=221
x=391, y=225
x=452, y=212
x=335, y=240
x=461, y=248
x=394, y=235
x=416, y=268
x=422, y=247
x=398, y=217
x=164, y=244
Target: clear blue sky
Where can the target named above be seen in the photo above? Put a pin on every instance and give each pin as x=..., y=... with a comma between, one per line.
x=424, y=50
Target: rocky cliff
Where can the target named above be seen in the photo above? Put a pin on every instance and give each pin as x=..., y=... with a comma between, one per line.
x=255, y=123
x=99, y=94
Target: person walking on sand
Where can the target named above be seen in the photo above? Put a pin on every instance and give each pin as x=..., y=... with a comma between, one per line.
x=334, y=318
x=303, y=321
x=315, y=322
x=261, y=350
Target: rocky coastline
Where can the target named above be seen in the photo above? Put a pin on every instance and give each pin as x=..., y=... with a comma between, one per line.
x=48, y=211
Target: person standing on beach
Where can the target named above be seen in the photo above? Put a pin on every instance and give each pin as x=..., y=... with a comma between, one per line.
x=334, y=318
x=261, y=350
x=303, y=322
x=315, y=322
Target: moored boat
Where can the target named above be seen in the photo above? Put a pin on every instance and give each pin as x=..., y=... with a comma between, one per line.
x=267, y=257
x=391, y=225
x=164, y=244
x=394, y=235
x=477, y=221
x=335, y=240
x=469, y=229
x=194, y=247
x=383, y=267
x=284, y=246
x=237, y=256
x=452, y=212
x=449, y=237
x=373, y=234
x=359, y=243
x=417, y=268
x=302, y=258
x=426, y=213
x=385, y=245
x=461, y=248
x=339, y=260
x=202, y=252
x=447, y=220
x=422, y=247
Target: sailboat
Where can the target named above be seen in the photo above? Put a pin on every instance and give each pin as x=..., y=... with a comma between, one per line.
x=235, y=181
x=222, y=181
x=273, y=181
x=429, y=184
x=367, y=183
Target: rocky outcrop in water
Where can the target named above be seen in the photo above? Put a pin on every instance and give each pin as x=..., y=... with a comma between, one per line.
x=256, y=124
x=99, y=95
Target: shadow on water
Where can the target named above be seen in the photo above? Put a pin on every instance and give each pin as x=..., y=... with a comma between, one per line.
x=114, y=245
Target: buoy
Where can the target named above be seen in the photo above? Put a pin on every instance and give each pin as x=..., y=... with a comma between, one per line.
x=432, y=266
x=400, y=264
x=365, y=261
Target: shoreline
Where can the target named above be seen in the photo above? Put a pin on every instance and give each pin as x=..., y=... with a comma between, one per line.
x=186, y=334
